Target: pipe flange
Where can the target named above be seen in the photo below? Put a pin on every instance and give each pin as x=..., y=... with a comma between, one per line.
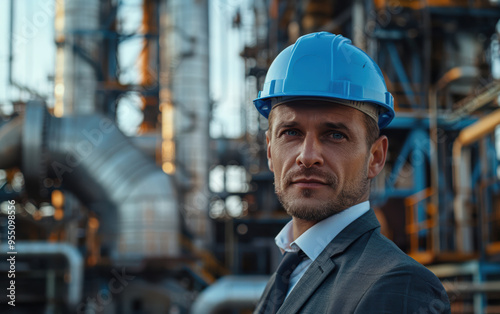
x=34, y=156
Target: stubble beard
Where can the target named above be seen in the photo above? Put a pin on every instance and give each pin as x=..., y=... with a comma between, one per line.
x=298, y=205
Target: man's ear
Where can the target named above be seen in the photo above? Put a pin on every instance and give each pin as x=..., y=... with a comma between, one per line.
x=269, y=158
x=378, y=154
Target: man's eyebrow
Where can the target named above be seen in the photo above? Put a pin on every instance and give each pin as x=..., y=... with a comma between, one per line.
x=286, y=124
x=337, y=126
x=327, y=125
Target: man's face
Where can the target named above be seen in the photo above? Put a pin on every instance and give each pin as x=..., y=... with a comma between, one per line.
x=320, y=158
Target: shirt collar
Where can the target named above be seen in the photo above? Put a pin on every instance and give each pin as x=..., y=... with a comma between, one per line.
x=315, y=239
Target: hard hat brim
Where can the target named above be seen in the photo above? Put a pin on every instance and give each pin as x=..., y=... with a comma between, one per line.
x=264, y=104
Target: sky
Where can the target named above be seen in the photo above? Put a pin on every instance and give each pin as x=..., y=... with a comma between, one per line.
x=33, y=49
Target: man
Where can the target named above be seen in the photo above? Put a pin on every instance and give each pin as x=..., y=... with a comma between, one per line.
x=326, y=100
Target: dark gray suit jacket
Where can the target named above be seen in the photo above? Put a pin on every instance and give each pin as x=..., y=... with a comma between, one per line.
x=361, y=271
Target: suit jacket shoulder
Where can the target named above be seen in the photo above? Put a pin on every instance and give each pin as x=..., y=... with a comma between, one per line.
x=397, y=283
x=361, y=271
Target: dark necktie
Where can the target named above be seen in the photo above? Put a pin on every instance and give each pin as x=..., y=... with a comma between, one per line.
x=280, y=288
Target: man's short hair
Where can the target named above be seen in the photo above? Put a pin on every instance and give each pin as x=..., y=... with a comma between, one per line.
x=372, y=130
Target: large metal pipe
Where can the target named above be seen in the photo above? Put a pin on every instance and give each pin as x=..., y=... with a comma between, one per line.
x=10, y=143
x=461, y=169
x=186, y=56
x=76, y=27
x=88, y=155
x=72, y=255
x=358, y=24
x=231, y=292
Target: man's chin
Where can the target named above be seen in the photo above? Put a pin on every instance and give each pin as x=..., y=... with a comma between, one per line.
x=312, y=215
x=309, y=210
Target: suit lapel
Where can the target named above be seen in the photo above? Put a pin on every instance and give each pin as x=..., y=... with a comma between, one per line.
x=324, y=264
x=313, y=277
x=261, y=304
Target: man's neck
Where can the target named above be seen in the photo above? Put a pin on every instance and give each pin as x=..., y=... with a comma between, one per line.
x=300, y=226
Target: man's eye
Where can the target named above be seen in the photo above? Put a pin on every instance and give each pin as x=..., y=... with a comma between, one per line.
x=291, y=132
x=338, y=136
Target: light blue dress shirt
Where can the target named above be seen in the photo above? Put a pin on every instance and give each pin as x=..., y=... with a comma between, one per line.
x=315, y=239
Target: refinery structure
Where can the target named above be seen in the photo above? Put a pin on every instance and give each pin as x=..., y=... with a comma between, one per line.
x=173, y=215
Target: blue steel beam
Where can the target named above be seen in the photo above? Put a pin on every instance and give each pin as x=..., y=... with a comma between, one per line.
x=401, y=73
x=406, y=122
x=402, y=157
x=416, y=74
x=416, y=149
x=421, y=145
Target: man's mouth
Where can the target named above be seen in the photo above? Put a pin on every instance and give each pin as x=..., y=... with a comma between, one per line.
x=309, y=182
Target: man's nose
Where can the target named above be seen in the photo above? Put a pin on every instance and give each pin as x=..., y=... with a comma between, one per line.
x=310, y=152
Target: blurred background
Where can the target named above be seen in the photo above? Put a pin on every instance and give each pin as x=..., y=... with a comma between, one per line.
x=137, y=164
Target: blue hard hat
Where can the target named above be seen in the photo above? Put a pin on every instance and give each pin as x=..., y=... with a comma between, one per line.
x=325, y=65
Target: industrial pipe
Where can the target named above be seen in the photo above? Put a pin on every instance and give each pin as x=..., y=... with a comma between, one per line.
x=10, y=143
x=474, y=102
x=185, y=101
x=450, y=76
x=74, y=258
x=231, y=292
x=472, y=287
x=87, y=154
x=77, y=70
x=466, y=137
x=135, y=200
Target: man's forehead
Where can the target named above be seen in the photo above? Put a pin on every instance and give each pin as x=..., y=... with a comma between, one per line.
x=296, y=111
